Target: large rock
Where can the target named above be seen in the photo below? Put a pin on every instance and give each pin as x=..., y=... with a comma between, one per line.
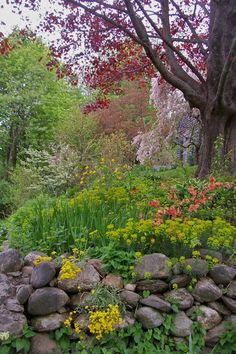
x=154, y=266
x=181, y=298
x=230, y=303
x=157, y=303
x=115, y=281
x=219, y=307
x=83, y=321
x=222, y=274
x=127, y=320
x=149, y=317
x=214, y=254
x=48, y=323
x=130, y=298
x=231, y=289
x=208, y=318
x=23, y=293
x=42, y=344
x=32, y=256
x=181, y=281
x=154, y=286
x=6, y=289
x=13, y=305
x=182, y=325
x=213, y=335
x=10, y=261
x=86, y=279
x=12, y=322
x=46, y=300
x=199, y=267
x=80, y=299
x=42, y=274
x=206, y=291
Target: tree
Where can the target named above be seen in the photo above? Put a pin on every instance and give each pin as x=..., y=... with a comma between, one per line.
x=191, y=43
x=32, y=99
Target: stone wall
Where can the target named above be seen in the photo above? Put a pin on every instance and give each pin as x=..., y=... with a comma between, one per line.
x=35, y=295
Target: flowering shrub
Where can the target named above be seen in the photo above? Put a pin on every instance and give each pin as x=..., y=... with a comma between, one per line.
x=103, y=322
x=42, y=259
x=69, y=269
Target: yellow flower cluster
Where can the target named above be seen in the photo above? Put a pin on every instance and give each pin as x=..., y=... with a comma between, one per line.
x=103, y=322
x=68, y=270
x=42, y=259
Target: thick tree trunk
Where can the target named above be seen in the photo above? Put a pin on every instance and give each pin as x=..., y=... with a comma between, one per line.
x=215, y=125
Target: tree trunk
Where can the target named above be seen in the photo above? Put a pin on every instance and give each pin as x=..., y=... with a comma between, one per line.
x=15, y=134
x=215, y=124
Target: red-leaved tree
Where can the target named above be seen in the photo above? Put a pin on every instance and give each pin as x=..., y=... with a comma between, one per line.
x=190, y=43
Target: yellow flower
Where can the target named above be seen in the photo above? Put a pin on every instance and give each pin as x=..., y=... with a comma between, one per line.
x=138, y=254
x=175, y=286
x=93, y=291
x=147, y=275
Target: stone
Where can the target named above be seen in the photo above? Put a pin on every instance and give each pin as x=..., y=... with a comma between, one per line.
x=230, y=303
x=114, y=281
x=42, y=274
x=154, y=286
x=6, y=289
x=13, y=305
x=213, y=335
x=86, y=279
x=219, y=307
x=222, y=274
x=214, y=254
x=27, y=271
x=23, y=293
x=232, y=319
x=12, y=322
x=97, y=264
x=206, y=291
x=176, y=269
x=231, y=289
x=208, y=318
x=83, y=321
x=45, y=301
x=130, y=287
x=42, y=344
x=181, y=298
x=156, y=303
x=130, y=298
x=32, y=256
x=48, y=323
x=80, y=299
x=127, y=320
x=10, y=261
x=182, y=325
x=199, y=267
x=181, y=280
x=154, y=265
x=149, y=317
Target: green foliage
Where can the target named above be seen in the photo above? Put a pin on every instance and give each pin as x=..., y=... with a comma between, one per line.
x=18, y=344
x=117, y=146
x=50, y=171
x=32, y=100
x=221, y=162
x=80, y=133
x=227, y=341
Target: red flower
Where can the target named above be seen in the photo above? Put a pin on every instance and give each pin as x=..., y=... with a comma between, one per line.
x=154, y=203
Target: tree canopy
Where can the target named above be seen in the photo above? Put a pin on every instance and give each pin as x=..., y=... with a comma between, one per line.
x=191, y=44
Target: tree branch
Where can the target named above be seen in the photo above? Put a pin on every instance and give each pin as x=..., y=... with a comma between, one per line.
x=191, y=27
x=167, y=40
x=226, y=69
